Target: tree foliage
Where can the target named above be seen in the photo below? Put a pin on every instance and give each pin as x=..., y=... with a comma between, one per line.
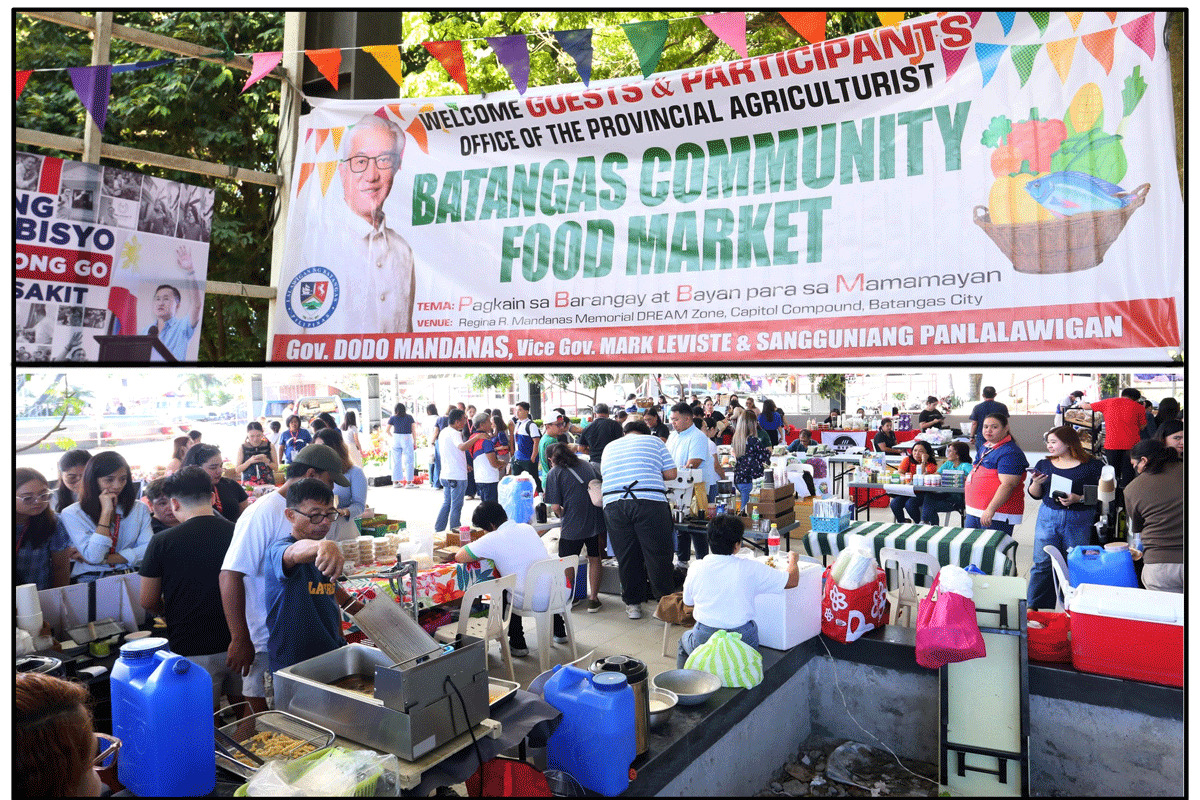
x=193, y=109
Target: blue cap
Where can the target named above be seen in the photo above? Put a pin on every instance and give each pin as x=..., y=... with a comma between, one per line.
x=143, y=648
x=609, y=681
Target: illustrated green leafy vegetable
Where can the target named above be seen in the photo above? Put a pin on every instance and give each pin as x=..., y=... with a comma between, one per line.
x=997, y=132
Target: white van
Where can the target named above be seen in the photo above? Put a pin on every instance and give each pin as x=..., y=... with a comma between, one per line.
x=306, y=408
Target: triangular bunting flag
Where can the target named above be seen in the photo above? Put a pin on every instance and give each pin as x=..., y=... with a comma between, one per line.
x=1112, y=16
x=1006, y=20
x=381, y=112
x=891, y=17
x=388, y=56
x=162, y=62
x=305, y=170
x=22, y=79
x=322, y=135
x=1041, y=19
x=263, y=64
x=973, y=18
x=513, y=54
x=1141, y=33
x=1075, y=18
x=326, y=170
x=578, y=45
x=647, y=39
x=307, y=135
x=988, y=56
x=1062, y=54
x=327, y=62
x=1023, y=56
x=730, y=28
x=395, y=109
x=1100, y=45
x=337, y=137
x=93, y=85
x=450, y=56
x=809, y=24
x=417, y=131
x=953, y=60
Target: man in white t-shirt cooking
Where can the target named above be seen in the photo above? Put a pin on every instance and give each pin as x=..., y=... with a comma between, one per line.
x=512, y=547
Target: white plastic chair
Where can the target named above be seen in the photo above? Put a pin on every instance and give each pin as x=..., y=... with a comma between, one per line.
x=1063, y=591
x=494, y=626
x=907, y=594
x=551, y=571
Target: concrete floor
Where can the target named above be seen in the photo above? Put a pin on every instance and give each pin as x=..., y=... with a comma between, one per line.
x=609, y=631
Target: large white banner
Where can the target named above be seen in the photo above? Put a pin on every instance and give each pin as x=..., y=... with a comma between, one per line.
x=991, y=186
x=103, y=251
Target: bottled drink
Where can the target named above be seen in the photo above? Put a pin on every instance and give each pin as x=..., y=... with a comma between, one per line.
x=773, y=540
x=754, y=525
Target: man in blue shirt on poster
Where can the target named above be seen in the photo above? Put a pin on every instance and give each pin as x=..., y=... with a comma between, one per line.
x=175, y=332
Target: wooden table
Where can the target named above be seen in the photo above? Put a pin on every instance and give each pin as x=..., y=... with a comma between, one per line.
x=994, y=552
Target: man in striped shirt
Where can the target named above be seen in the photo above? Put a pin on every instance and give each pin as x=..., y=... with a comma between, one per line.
x=638, y=515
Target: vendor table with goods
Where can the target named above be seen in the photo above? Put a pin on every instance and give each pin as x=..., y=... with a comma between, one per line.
x=842, y=465
x=437, y=585
x=865, y=498
x=831, y=436
x=994, y=552
x=756, y=539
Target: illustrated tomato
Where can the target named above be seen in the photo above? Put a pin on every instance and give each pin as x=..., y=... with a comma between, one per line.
x=1006, y=159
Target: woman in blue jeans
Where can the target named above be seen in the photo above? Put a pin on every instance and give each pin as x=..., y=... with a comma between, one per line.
x=958, y=458
x=920, y=460
x=752, y=455
x=400, y=426
x=1063, y=520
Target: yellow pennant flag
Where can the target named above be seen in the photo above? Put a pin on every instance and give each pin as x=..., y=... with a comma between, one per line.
x=890, y=17
x=1075, y=17
x=388, y=56
x=337, y=136
x=305, y=171
x=1062, y=53
x=322, y=135
x=326, y=168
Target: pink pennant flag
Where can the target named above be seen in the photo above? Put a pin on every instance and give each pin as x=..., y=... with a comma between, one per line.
x=263, y=64
x=730, y=28
x=1141, y=33
x=953, y=60
x=974, y=16
x=307, y=135
x=22, y=78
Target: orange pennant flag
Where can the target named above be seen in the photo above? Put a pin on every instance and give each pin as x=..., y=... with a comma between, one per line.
x=1062, y=53
x=337, y=136
x=305, y=171
x=326, y=168
x=388, y=56
x=327, y=62
x=450, y=56
x=890, y=17
x=1112, y=16
x=1100, y=45
x=417, y=131
x=395, y=109
x=1075, y=17
x=809, y=24
x=322, y=135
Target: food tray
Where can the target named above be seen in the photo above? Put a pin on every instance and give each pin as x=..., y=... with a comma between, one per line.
x=496, y=684
x=243, y=730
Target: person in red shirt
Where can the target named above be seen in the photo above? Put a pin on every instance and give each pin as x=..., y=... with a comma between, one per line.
x=1124, y=418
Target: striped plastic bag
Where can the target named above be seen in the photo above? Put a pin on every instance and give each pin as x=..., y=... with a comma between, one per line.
x=737, y=664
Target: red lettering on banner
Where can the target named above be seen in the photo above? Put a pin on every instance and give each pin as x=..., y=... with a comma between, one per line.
x=684, y=293
x=562, y=299
x=65, y=266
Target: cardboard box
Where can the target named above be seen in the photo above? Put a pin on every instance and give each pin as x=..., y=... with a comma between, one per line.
x=774, y=494
x=774, y=508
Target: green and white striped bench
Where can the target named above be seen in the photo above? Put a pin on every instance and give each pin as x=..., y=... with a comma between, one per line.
x=993, y=552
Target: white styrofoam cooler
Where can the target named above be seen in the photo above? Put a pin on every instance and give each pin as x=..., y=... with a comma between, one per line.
x=785, y=620
x=1127, y=633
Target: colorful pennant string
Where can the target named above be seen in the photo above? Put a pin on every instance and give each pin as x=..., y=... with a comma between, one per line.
x=263, y=63
x=93, y=85
x=809, y=24
x=730, y=28
x=1141, y=32
x=1100, y=45
x=988, y=56
x=578, y=45
x=162, y=62
x=450, y=56
x=890, y=17
x=513, y=54
x=648, y=39
x=327, y=61
x=1023, y=57
x=388, y=56
x=22, y=79
x=1006, y=20
x=1062, y=54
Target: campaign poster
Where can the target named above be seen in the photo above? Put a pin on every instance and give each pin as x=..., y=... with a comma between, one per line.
x=984, y=186
x=103, y=251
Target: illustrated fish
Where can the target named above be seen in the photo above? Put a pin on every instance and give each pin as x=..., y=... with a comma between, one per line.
x=1065, y=194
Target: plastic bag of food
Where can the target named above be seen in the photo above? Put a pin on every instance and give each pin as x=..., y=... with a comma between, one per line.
x=332, y=772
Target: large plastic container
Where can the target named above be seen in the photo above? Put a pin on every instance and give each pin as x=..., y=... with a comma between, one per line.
x=1088, y=564
x=1128, y=633
x=786, y=619
x=596, y=740
x=516, y=495
x=162, y=713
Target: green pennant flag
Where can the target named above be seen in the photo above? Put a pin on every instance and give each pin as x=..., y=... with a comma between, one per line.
x=647, y=39
x=1042, y=18
x=1023, y=57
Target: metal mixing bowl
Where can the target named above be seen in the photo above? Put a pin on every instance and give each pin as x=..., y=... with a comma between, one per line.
x=666, y=697
x=692, y=686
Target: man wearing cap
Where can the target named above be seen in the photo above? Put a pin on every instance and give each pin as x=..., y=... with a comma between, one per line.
x=243, y=576
x=598, y=433
x=552, y=429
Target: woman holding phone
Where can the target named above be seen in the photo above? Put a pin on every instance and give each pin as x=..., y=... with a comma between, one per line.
x=1063, y=520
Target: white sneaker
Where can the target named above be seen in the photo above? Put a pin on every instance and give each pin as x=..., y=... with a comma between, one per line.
x=633, y=611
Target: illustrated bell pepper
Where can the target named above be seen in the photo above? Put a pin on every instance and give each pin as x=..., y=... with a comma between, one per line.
x=1038, y=139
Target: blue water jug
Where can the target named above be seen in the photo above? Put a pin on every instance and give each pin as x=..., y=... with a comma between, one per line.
x=162, y=713
x=596, y=740
x=1090, y=564
x=516, y=496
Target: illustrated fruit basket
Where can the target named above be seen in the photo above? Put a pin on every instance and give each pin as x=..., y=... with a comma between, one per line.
x=1071, y=244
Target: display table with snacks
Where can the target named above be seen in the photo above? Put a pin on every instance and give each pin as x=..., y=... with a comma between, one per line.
x=842, y=465
x=994, y=552
x=869, y=493
x=440, y=584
